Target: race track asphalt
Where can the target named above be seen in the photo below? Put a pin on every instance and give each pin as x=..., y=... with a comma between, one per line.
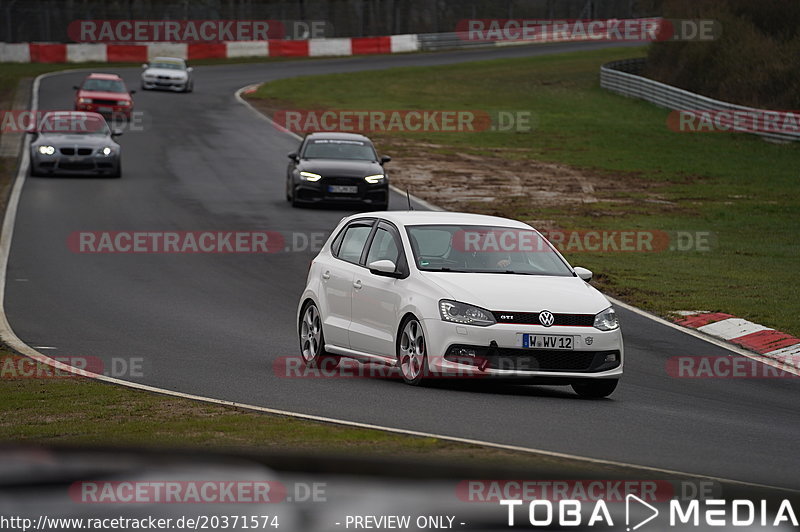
x=212, y=324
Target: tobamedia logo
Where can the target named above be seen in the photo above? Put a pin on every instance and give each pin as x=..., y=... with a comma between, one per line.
x=641, y=515
x=546, y=318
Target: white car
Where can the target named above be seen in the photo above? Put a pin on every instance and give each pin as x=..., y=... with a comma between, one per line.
x=170, y=73
x=443, y=294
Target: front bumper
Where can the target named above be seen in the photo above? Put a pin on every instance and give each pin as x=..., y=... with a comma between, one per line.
x=496, y=351
x=320, y=191
x=74, y=165
x=177, y=85
x=108, y=111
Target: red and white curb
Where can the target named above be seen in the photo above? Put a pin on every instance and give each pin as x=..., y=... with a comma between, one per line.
x=142, y=52
x=778, y=346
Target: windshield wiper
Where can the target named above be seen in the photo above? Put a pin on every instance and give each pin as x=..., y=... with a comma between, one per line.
x=507, y=272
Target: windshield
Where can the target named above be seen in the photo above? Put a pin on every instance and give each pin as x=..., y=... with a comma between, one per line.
x=167, y=65
x=73, y=124
x=484, y=249
x=339, y=149
x=104, y=85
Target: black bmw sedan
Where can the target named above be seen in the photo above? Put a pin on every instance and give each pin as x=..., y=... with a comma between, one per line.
x=337, y=168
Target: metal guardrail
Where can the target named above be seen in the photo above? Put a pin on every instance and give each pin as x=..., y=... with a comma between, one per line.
x=446, y=41
x=622, y=78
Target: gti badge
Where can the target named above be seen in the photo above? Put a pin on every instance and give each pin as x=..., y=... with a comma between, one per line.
x=546, y=318
x=589, y=340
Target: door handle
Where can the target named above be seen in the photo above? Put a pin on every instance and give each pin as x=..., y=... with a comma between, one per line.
x=326, y=275
x=357, y=284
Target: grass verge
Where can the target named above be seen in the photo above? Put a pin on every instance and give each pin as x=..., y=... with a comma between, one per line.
x=738, y=189
x=54, y=409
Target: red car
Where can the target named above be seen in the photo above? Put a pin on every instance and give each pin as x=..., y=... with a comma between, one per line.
x=105, y=94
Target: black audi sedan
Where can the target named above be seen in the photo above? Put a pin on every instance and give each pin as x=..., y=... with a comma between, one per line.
x=337, y=168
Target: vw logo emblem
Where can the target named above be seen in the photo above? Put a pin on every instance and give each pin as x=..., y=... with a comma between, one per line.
x=546, y=318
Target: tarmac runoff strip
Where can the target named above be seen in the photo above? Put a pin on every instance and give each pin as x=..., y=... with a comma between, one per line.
x=774, y=345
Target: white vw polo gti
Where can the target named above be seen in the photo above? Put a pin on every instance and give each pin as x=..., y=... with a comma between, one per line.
x=443, y=294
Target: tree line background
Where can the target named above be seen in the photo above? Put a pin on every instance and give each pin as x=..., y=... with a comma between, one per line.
x=755, y=62
x=47, y=20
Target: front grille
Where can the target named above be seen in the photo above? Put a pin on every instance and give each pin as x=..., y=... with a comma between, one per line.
x=68, y=151
x=518, y=359
x=535, y=360
x=76, y=166
x=84, y=151
x=532, y=318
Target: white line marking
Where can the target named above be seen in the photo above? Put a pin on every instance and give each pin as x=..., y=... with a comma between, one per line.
x=11, y=339
x=44, y=347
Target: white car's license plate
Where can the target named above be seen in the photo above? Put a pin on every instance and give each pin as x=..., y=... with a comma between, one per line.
x=547, y=341
x=105, y=109
x=343, y=189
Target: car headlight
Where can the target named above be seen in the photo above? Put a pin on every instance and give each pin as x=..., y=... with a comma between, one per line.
x=466, y=314
x=106, y=151
x=606, y=320
x=84, y=100
x=372, y=179
x=124, y=103
x=310, y=176
x=46, y=150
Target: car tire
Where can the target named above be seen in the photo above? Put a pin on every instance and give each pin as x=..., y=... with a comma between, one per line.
x=293, y=200
x=118, y=172
x=412, y=352
x=596, y=389
x=33, y=172
x=312, y=341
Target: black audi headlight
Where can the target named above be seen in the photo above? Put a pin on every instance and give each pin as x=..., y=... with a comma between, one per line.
x=606, y=320
x=466, y=314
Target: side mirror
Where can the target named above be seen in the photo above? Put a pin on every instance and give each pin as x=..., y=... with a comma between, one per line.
x=132, y=92
x=294, y=156
x=116, y=133
x=583, y=273
x=385, y=268
x=144, y=65
x=385, y=159
x=76, y=87
x=189, y=69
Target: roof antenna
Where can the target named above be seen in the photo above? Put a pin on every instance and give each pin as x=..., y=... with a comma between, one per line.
x=408, y=197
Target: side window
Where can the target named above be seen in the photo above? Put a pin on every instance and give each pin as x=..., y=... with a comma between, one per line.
x=384, y=247
x=355, y=236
